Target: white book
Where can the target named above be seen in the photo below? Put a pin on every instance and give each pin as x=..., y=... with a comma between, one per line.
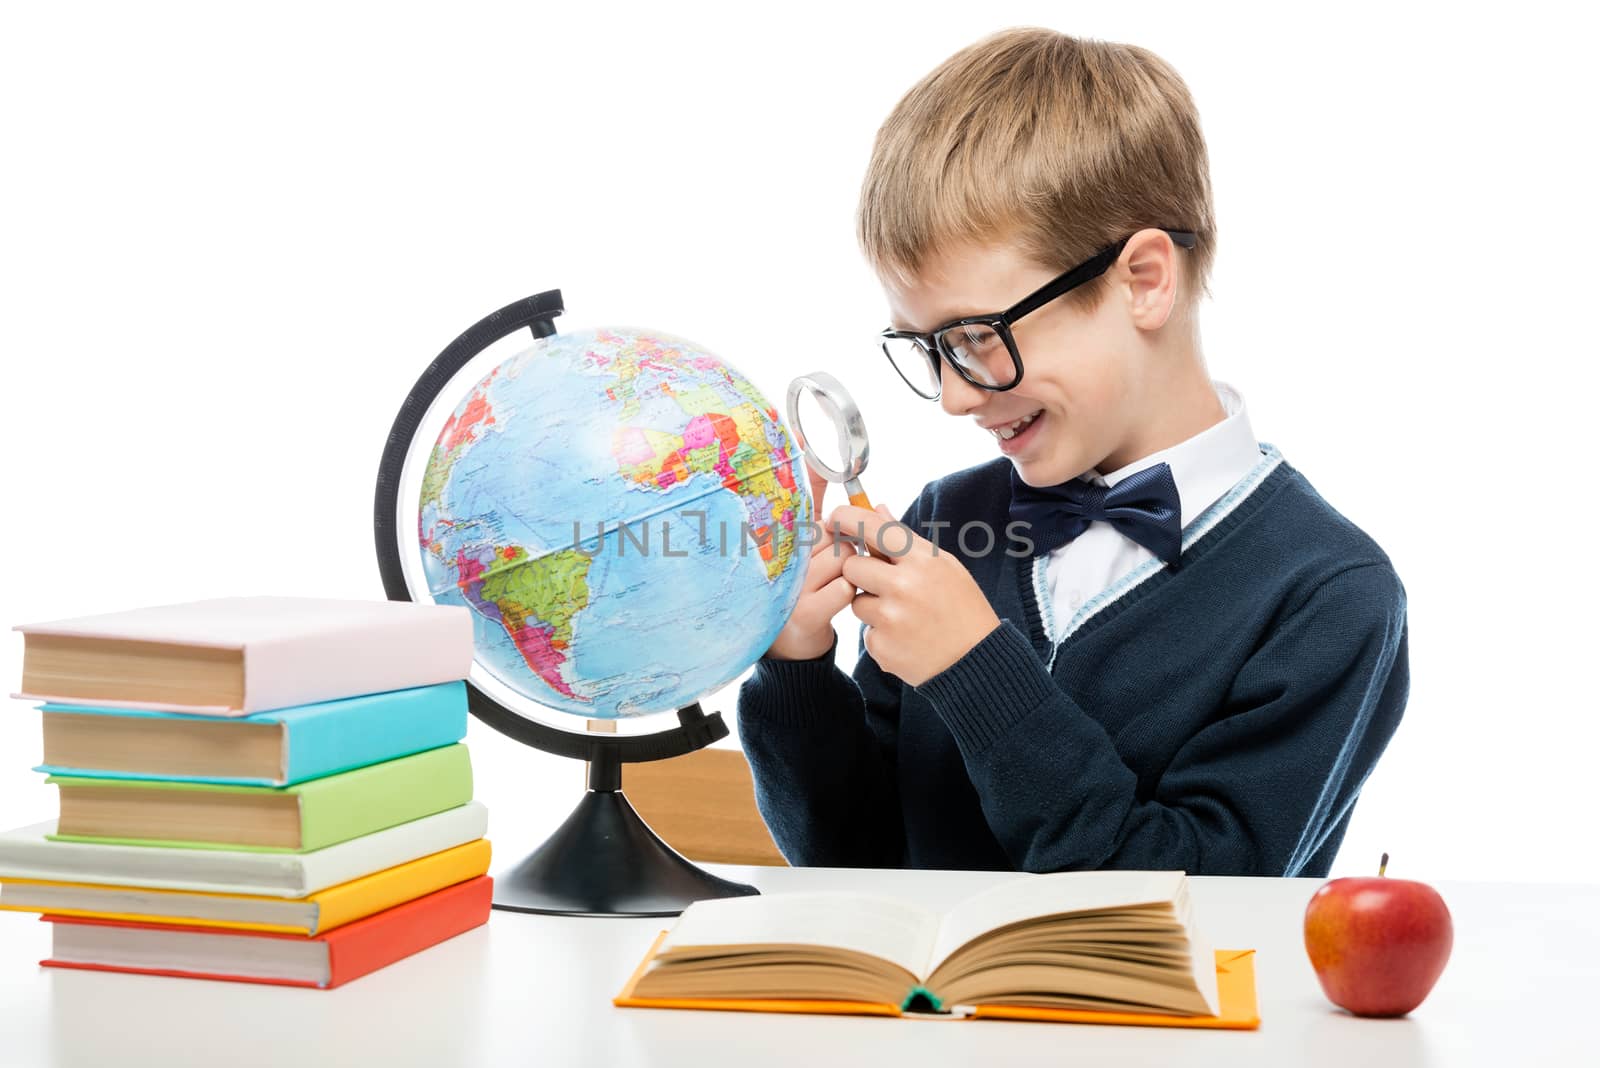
x=26, y=853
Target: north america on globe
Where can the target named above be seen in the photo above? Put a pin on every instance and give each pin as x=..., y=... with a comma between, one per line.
x=624, y=514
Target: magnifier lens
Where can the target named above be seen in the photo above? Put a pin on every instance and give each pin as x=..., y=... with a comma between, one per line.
x=821, y=433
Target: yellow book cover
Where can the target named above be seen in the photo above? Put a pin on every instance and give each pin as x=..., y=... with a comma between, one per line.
x=313, y=915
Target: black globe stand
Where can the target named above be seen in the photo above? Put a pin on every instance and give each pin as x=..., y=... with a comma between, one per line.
x=604, y=860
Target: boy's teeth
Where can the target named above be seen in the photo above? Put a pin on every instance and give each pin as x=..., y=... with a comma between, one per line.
x=1006, y=433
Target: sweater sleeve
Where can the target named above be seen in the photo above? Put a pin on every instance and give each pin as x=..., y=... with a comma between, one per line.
x=1256, y=792
x=821, y=746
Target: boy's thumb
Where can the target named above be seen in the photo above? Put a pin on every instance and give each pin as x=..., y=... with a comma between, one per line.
x=819, y=489
x=883, y=510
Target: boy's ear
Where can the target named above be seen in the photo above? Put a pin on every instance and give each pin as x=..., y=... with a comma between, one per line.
x=1152, y=278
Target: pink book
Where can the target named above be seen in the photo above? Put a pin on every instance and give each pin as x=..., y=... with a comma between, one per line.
x=233, y=656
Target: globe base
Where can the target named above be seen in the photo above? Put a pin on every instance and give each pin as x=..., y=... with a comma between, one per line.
x=606, y=861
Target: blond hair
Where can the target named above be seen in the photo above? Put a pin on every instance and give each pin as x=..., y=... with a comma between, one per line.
x=1060, y=144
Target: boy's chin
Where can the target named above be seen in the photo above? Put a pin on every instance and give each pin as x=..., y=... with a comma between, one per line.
x=1055, y=455
x=1049, y=470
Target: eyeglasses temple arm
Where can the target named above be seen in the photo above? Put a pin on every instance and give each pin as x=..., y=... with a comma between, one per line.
x=1071, y=280
x=1088, y=269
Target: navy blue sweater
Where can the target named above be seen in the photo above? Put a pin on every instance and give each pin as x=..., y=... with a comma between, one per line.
x=1219, y=716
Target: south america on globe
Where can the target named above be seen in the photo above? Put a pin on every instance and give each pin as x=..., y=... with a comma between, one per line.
x=624, y=514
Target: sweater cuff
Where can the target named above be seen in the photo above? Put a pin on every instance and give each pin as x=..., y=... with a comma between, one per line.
x=802, y=693
x=995, y=686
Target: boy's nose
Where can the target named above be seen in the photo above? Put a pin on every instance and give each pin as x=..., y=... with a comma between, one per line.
x=957, y=396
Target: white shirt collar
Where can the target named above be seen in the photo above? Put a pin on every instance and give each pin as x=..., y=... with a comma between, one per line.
x=1205, y=466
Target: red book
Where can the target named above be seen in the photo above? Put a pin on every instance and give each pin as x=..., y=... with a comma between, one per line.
x=324, y=961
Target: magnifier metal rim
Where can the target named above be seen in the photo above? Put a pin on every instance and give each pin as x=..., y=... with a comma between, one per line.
x=837, y=404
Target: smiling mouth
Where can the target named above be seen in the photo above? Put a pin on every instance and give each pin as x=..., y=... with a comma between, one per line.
x=1011, y=430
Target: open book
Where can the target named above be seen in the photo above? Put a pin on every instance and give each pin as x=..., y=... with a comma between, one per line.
x=1115, y=943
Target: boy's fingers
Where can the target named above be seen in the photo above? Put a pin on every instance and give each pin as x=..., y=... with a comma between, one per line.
x=868, y=608
x=833, y=597
x=819, y=488
x=889, y=539
x=824, y=540
x=869, y=573
x=822, y=570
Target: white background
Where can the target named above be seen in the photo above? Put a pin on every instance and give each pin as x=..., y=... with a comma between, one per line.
x=230, y=241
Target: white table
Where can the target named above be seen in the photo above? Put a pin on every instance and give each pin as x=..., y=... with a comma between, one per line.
x=1522, y=987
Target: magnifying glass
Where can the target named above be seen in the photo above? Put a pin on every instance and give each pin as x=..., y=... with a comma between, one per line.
x=823, y=392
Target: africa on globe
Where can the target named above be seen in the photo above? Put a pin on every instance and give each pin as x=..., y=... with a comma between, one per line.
x=625, y=515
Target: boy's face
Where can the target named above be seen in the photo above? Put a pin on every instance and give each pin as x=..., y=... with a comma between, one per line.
x=1084, y=377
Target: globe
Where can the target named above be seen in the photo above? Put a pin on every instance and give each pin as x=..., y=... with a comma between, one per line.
x=622, y=511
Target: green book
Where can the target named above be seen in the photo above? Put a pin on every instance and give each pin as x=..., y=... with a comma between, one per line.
x=288, y=819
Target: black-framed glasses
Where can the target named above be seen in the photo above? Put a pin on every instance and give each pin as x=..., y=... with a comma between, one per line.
x=981, y=348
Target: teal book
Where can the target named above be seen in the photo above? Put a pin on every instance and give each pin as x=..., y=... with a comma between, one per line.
x=284, y=819
x=277, y=748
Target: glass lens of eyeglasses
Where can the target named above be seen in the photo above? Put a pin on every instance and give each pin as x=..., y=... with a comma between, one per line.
x=980, y=350
x=912, y=361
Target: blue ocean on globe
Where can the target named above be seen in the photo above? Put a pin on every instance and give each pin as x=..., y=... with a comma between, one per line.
x=624, y=514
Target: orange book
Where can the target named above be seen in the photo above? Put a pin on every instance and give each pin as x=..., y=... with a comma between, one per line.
x=1092, y=947
x=323, y=962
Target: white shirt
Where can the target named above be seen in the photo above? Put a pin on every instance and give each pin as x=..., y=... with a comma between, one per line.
x=1204, y=467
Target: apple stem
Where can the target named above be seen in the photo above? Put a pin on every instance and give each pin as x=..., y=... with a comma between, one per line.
x=1383, y=864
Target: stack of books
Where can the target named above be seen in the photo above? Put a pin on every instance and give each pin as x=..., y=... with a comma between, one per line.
x=267, y=789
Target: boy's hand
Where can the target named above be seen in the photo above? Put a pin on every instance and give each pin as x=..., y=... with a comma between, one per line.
x=808, y=633
x=922, y=609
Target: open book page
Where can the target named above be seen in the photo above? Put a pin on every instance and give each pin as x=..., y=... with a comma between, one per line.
x=895, y=931
x=1030, y=897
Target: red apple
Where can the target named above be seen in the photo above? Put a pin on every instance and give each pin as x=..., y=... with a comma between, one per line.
x=1378, y=945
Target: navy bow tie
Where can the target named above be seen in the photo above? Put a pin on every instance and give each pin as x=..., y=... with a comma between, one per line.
x=1143, y=507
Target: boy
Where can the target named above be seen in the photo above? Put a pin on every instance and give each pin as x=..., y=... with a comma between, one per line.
x=1137, y=639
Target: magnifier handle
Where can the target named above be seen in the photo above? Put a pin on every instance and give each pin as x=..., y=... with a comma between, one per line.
x=857, y=495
